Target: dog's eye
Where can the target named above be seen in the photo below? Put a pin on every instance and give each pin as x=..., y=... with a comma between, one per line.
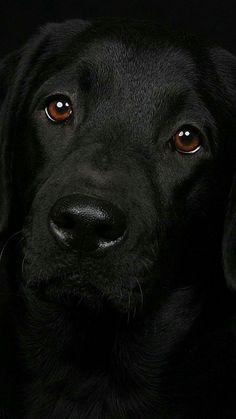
x=187, y=140
x=59, y=109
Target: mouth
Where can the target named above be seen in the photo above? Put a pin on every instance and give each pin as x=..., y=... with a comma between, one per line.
x=72, y=291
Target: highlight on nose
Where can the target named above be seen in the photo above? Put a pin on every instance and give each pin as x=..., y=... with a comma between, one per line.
x=86, y=223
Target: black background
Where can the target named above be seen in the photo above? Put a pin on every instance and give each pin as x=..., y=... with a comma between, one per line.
x=212, y=19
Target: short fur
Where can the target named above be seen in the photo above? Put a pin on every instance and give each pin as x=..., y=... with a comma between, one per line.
x=147, y=330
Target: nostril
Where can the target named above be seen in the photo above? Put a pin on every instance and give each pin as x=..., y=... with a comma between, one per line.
x=110, y=231
x=64, y=221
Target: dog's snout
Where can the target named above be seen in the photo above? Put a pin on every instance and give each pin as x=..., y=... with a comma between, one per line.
x=86, y=223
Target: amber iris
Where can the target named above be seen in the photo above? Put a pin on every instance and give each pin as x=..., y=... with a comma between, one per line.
x=187, y=140
x=59, y=110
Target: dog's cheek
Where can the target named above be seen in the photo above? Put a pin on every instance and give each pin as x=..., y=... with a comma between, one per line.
x=38, y=248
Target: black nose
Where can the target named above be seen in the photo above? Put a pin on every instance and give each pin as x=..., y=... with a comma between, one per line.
x=86, y=223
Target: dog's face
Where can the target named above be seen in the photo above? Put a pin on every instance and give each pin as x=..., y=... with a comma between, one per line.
x=120, y=170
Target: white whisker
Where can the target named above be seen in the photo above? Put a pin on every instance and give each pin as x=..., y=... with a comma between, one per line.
x=128, y=314
x=141, y=292
x=22, y=265
x=7, y=242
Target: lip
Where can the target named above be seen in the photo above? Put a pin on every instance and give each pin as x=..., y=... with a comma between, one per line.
x=77, y=292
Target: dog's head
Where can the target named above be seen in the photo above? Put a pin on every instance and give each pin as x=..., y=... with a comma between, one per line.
x=117, y=144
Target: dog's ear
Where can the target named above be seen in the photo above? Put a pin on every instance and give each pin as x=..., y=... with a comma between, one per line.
x=223, y=82
x=19, y=71
x=225, y=64
x=221, y=75
x=7, y=73
x=229, y=240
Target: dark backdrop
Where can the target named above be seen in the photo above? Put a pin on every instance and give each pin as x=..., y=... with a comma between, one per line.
x=212, y=19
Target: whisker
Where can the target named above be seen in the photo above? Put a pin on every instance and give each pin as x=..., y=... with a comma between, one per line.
x=128, y=314
x=22, y=265
x=141, y=291
x=147, y=264
x=7, y=242
x=19, y=241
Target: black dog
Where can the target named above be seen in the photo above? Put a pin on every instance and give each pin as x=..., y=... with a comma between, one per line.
x=117, y=158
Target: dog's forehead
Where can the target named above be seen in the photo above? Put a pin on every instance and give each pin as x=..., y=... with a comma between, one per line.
x=128, y=46
x=126, y=72
x=149, y=57
x=131, y=54
x=144, y=66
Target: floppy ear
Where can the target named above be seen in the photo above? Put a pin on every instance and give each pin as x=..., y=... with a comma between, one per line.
x=224, y=81
x=229, y=241
x=17, y=68
x=226, y=72
x=7, y=70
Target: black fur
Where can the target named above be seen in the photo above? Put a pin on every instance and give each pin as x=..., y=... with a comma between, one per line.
x=145, y=330
x=229, y=242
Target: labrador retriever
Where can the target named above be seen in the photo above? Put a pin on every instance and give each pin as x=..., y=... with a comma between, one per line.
x=117, y=157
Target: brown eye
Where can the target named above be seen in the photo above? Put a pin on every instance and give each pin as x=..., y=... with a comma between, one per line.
x=187, y=140
x=59, y=110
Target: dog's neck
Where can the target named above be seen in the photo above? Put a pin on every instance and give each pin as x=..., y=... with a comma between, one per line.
x=98, y=359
